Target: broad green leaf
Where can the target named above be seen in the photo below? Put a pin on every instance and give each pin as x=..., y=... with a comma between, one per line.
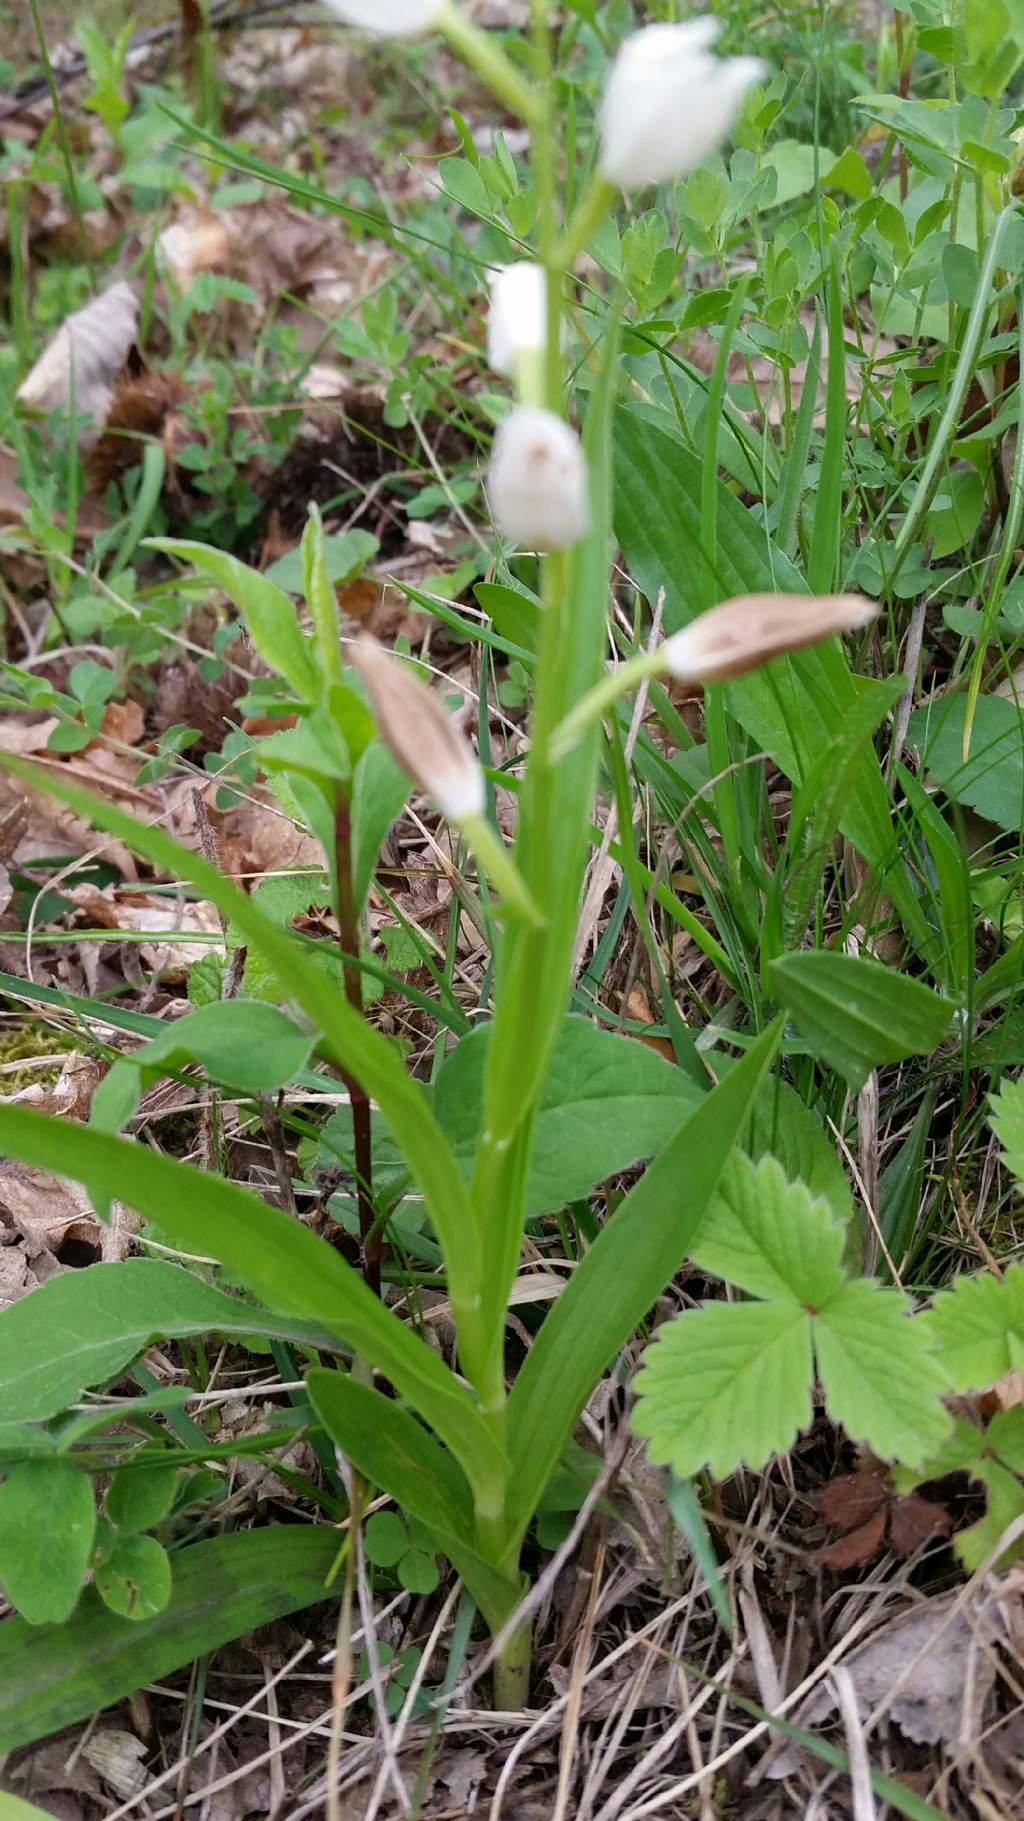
x=134, y=1577
x=84, y=1327
x=607, y=1101
x=1007, y=1122
x=621, y=1276
x=140, y=1495
x=978, y=1326
x=991, y=780
x=269, y=614
x=347, y=1040
x=277, y=1257
x=223, y=1588
x=345, y=556
x=240, y=1043
x=790, y=707
x=882, y=1380
x=770, y=1236
x=856, y=1013
x=47, y=1523
x=725, y=1385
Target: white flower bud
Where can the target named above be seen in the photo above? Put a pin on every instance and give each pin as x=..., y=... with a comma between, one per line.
x=668, y=102
x=737, y=636
x=538, y=481
x=389, y=18
x=517, y=323
x=420, y=734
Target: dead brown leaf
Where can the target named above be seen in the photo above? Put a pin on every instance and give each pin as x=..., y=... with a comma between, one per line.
x=81, y=363
x=164, y=917
x=45, y=1212
x=70, y=1096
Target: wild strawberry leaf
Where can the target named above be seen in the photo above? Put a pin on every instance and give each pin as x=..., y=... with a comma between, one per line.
x=770, y=1236
x=978, y=1328
x=724, y=1385
x=882, y=1380
x=1007, y=1122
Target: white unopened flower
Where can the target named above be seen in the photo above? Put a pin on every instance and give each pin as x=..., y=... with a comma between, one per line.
x=517, y=323
x=420, y=734
x=538, y=480
x=738, y=635
x=669, y=102
x=389, y=18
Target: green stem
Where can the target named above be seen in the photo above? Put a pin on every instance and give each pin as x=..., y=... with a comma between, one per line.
x=595, y=705
x=501, y=870
x=483, y=57
x=599, y=198
x=512, y=1671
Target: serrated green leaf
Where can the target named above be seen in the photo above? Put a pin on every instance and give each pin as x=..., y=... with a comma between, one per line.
x=855, y=1013
x=770, y=1236
x=269, y=614
x=1004, y=1504
x=724, y=1386
x=978, y=1327
x=882, y=1381
x=1007, y=1121
x=782, y=1126
x=47, y=1524
x=134, y=1577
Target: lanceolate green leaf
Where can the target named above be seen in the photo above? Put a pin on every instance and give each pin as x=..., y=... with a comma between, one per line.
x=395, y=1452
x=84, y=1327
x=621, y=1277
x=280, y=1259
x=790, y=707
x=348, y=1040
x=269, y=614
x=856, y=1013
x=53, y=1678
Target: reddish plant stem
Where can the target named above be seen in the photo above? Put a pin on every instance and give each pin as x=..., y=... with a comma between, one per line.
x=370, y=1237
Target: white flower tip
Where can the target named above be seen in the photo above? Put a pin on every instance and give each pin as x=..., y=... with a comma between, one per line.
x=517, y=322
x=389, y=18
x=738, y=635
x=669, y=102
x=537, y=482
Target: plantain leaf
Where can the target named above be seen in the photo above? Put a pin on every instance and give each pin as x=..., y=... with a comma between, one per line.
x=855, y=1013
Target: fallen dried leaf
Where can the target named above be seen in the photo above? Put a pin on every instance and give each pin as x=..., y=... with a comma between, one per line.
x=46, y=1212
x=83, y=360
x=857, y=1546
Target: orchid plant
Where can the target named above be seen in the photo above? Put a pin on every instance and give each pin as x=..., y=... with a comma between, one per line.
x=464, y=1453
